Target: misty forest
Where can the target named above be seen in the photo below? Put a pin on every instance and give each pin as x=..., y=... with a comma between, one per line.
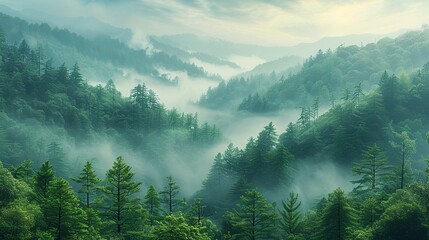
x=108, y=133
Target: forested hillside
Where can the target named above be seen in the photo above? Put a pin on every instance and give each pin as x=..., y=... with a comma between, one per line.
x=334, y=74
x=82, y=161
x=54, y=113
x=66, y=47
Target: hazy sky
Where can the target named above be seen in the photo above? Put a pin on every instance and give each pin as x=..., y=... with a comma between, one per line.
x=268, y=22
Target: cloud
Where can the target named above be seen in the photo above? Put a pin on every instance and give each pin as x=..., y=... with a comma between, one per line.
x=269, y=22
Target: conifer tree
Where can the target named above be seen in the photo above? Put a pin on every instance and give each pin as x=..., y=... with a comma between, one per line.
x=152, y=204
x=88, y=180
x=337, y=217
x=372, y=168
x=43, y=178
x=64, y=217
x=253, y=218
x=290, y=216
x=169, y=196
x=119, y=190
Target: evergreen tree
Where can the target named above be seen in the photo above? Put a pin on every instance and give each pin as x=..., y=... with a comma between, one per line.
x=372, y=169
x=196, y=214
x=119, y=190
x=169, y=196
x=337, y=217
x=290, y=216
x=88, y=180
x=152, y=204
x=64, y=217
x=253, y=218
x=56, y=156
x=175, y=227
x=43, y=179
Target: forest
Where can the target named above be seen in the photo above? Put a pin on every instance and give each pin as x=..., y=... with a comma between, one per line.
x=376, y=129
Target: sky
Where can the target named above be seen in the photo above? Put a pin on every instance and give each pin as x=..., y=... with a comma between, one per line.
x=262, y=22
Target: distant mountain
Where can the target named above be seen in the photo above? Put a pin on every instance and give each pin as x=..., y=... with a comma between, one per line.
x=288, y=64
x=341, y=74
x=101, y=56
x=225, y=49
x=86, y=26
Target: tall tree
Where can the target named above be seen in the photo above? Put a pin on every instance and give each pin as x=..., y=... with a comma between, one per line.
x=43, y=179
x=152, y=204
x=406, y=147
x=88, y=180
x=169, y=196
x=290, y=220
x=64, y=217
x=253, y=218
x=119, y=190
x=372, y=168
x=337, y=217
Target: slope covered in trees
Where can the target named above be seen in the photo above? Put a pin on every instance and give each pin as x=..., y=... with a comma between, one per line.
x=54, y=115
x=329, y=76
x=62, y=46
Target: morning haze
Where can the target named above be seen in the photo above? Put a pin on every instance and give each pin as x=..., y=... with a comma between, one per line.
x=203, y=119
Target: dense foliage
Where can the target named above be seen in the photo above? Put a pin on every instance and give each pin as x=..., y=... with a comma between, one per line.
x=63, y=46
x=380, y=136
x=328, y=76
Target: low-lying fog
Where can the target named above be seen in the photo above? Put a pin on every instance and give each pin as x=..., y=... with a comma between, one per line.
x=312, y=181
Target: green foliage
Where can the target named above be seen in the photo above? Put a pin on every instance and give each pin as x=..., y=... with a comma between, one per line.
x=152, y=205
x=253, y=218
x=372, y=169
x=169, y=196
x=89, y=180
x=43, y=180
x=119, y=190
x=64, y=217
x=402, y=219
x=338, y=216
x=291, y=217
x=175, y=227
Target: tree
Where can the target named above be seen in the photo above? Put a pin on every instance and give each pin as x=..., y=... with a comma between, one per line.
x=43, y=179
x=372, y=168
x=290, y=216
x=56, y=156
x=404, y=218
x=152, y=204
x=169, y=195
x=89, y=180
x=253, y=218
x=119, y=190
x=196, y=213
x=407, y=148
x=337, y=217
x=175, y=227
x=64, y=217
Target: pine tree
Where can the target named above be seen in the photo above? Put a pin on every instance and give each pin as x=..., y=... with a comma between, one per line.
x=196, y=214
x=290, y=216
x=152, y=204
x=119, y=190
x=169, y=196
x=337, y=217
x=253, y=218
x=43, y=179
x=89, y=180
x=64, y=217
x=372, y=169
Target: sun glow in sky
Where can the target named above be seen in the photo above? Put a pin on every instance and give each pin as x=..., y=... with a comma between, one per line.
x=268, y=22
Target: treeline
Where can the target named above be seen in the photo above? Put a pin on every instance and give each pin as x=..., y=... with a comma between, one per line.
x=39, y=205
x=228, y=95
x=326, y=75
x=102, y=48
x=35, y=93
